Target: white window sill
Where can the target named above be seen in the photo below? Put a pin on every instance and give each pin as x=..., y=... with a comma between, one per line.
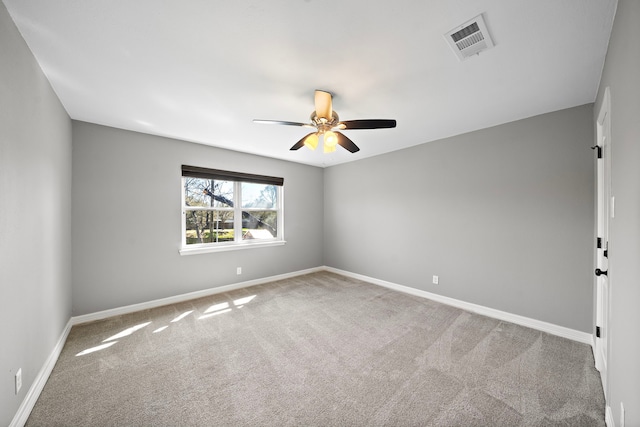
x=194, y=250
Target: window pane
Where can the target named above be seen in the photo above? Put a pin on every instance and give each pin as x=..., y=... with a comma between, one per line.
x=193, y=191
x=259, y=225
x=208, y=192
x=259, y=196
x=221, y=192
x=209, y=227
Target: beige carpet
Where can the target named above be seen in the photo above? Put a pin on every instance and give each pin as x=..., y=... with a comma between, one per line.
x=318, y=350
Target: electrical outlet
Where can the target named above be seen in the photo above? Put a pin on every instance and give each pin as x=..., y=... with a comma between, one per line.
x=18, y=380
x=239, y=270
x=435, y=280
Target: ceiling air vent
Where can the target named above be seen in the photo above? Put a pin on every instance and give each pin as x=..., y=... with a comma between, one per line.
x=469, y=38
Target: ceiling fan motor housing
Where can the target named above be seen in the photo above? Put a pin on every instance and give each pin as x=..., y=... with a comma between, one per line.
x=323, y=124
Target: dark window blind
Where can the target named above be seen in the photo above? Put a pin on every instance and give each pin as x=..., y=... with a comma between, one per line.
x=198, y=172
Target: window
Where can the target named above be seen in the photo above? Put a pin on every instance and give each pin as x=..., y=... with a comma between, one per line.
x=224, y=210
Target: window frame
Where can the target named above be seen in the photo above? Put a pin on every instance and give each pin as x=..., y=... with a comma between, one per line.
x=238, y=179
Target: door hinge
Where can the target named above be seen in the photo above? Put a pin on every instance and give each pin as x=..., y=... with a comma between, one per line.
x=599, y=242
x=599, y=150
x=597, y=331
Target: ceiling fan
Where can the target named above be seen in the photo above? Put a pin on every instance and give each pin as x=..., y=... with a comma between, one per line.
x=324, y=120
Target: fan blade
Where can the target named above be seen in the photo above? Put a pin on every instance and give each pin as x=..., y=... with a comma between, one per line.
x=298, y=145
x=281, y=122
x=367, y=124
x=324, y=110
x=346, y=143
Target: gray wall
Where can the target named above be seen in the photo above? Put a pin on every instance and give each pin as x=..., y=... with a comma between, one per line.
x=35, y=217
x=621, y=75
x=127, y=219
x=504, y=216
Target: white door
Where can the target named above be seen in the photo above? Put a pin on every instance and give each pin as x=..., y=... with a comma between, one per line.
x=604, y=214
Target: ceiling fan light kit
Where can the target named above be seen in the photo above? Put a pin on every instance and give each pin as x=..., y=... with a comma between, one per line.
x=329, y=148
x=324, y=119
x=311, y=141
x=330, y=139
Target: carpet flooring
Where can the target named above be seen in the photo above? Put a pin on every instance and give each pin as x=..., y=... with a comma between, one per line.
x=317, y=350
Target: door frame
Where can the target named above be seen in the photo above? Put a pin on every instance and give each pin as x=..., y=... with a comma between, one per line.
x=604, y=213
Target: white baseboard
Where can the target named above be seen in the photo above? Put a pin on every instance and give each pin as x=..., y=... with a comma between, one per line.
x=608, y=417
x=560, y=331
x=36, y=388
x=76, y=320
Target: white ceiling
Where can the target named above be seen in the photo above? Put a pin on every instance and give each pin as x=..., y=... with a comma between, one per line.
x=201, y=70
